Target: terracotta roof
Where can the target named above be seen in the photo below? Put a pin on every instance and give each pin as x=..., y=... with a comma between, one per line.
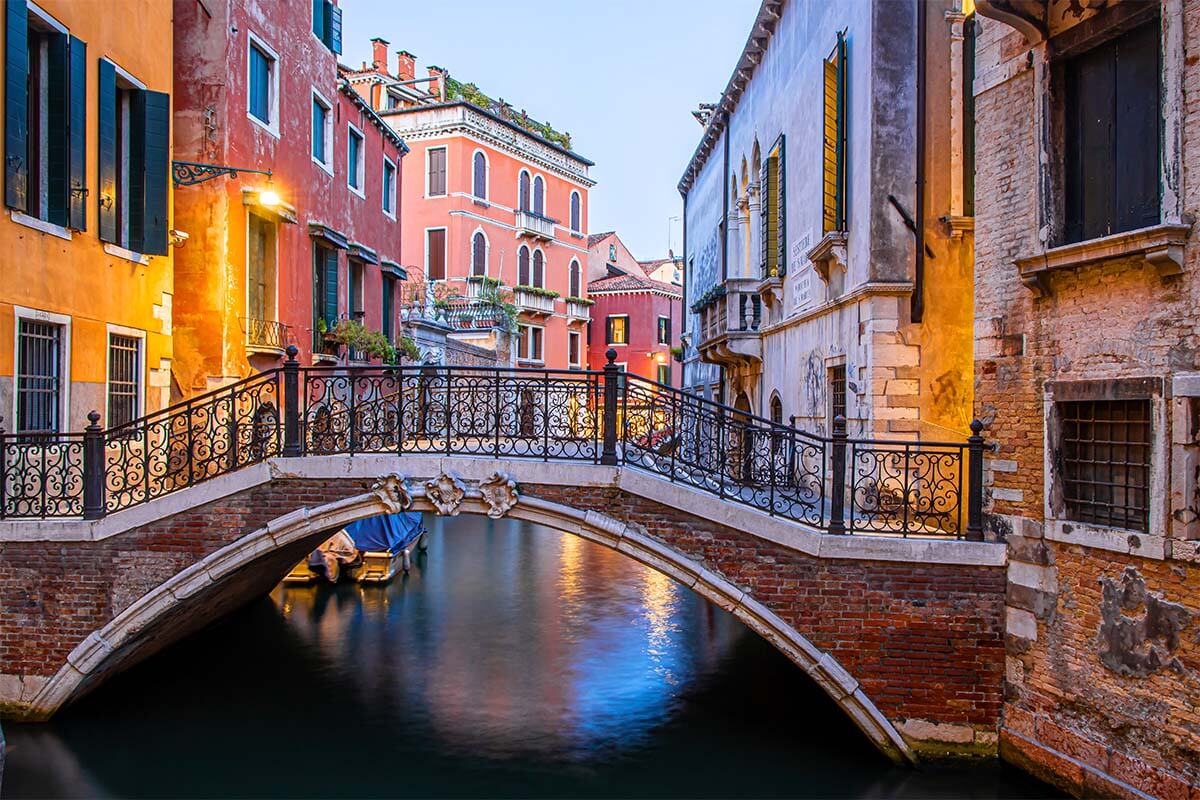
x=631, y=283
x=595, y=238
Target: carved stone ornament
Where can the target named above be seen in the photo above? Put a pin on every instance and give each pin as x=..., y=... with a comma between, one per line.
x=393, y=491
x=446, y=494
x=500, y=493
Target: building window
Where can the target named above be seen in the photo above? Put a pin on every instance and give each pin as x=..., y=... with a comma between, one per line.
x=260, y=268
x=523, y=266
x=612, y=253
x=325, y=293
x=435, y=254
x=479, y=254
x=39, y=376
x=771, y=187
x=574, y=341
x=529, y=342
x=576, y=212
x=523, y=191
x=322, y=132
x=327, y=25
x=539, y=196
x=479, y=176
x=664, y=374
x=387, y=310
x=539, y=269
x=574, y=280
x=1104, y=461
x=354, y=159
x=834, y=138
x=435, y=178
x=664, y=330
x=1111, y=136
x=124, y=378
x=837, y=392
x=357, y=304
x=263, y=99
x=389, y=187
x=617, y=329
x=776, y=410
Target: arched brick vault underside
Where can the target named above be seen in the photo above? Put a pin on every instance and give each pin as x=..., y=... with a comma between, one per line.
x=890, y=637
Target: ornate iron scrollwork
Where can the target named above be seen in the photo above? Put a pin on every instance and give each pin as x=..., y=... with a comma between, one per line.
x=188, y=173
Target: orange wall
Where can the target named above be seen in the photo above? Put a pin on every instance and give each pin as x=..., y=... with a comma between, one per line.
x=77, y=278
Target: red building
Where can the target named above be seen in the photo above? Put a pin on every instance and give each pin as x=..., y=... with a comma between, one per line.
x=499, y=196
x=280, y=259
x=634, y=314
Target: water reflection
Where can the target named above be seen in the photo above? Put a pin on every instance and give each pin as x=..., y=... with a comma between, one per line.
x=513, y=661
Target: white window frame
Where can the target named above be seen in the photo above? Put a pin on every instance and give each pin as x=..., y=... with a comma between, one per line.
x=533, y=194
x=487, y=251
x=527, y=340
x=517, y=205
x=429, y=150
x=327, y=164
x=360, y=169
x=661, y=317
x=570, y=222
x=425, y=244
x=578, y=362
x=271, y=127
x=133, y=333
x=388, y=197
x=487, y=176
x=246, y=262
x=614, y=316
x=64, y=397
x=545, y=267
x=575, y=265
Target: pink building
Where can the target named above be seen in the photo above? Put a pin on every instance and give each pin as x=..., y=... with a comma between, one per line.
x=491, y=195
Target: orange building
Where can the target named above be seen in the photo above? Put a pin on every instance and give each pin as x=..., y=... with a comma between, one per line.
x=490, y=194
x=86, y=276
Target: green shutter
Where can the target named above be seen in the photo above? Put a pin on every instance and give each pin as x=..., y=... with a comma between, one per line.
x=318, y=14
x=764, y=181
x=16, y=104
x=388, y=288
x=77, y=207
x=137, y=172
x=58, y=119
x=781, y=207
x=107, y=152
x=330, y=287
x=157, y=141
x=333, y=28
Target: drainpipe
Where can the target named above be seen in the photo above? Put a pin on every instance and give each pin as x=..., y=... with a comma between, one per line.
x=918, y=297
x=725, y=208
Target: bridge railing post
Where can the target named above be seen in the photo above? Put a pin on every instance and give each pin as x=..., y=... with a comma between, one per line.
x=612, y=373
x=837, y=468
x=291, y=403
x=975, y=482
x=94, y=502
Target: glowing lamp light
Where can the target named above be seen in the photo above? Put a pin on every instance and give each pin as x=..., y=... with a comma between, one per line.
x=660, y=357
x=268, y=198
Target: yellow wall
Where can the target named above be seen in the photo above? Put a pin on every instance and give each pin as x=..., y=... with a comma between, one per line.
x=77, y=278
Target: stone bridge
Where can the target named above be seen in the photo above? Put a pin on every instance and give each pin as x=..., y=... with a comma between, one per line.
x=905, y=634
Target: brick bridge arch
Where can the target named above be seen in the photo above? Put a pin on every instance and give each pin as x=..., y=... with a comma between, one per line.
x=906, y=635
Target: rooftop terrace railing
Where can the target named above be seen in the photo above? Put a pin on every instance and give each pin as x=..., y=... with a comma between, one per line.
x=837, y=484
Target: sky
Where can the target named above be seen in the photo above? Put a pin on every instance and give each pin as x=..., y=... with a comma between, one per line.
x=621, y=76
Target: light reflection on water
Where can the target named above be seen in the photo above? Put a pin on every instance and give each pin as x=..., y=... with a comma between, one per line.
x=512, y=661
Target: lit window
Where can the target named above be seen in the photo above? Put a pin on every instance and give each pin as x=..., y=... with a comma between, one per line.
x=354, y=160
x=618, y=329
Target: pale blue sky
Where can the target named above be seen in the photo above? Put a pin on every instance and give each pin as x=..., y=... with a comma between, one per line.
x=621, y=76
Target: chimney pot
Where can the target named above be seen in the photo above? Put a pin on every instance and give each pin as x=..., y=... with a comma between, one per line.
x=379, y=55
x=406, y=65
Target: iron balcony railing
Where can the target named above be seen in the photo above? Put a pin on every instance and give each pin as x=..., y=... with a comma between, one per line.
x=265, y=333
x=837, y=484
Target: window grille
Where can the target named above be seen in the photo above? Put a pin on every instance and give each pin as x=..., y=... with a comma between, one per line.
x=837, y=392
x=39, y=376
x=1104, y=461
x=123, y=385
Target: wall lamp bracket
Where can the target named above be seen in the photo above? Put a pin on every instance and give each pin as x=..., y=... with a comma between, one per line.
x=189, y=173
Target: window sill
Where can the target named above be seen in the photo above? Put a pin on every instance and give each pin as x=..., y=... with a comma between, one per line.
x=1160, y=246
x=1117, y=540
x=265, y=126
x=40, y=225
x=324, y=358
x=357, y=192
x=481, y=202
x=128, y=255
x=326, y=168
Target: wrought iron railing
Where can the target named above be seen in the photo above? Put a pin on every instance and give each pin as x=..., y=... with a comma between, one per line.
x=265, y=333
x=833, y=483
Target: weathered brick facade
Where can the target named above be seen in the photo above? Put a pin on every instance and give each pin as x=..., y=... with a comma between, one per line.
x=1102, y=690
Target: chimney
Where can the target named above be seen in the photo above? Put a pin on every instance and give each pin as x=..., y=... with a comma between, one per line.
x=437, y=86
x=406, y=65
x=379, y=55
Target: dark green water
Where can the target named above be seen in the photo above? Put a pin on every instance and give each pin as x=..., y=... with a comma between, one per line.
x=513, y=661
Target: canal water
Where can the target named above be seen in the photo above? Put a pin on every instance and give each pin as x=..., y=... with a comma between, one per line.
x=514, y=661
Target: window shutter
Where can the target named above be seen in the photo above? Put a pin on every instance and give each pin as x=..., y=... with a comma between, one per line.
x=1138, y=124
x=387, y=291
x=58, y=107
x=157, y=141
x=137, y=171
x=107, y=153
x=608, y=330
x=16, y=103
x=318, y=14
x=835, y=137
x=764, y=214
x=77, y=209
x=330, y=300
x=333, y=29
x=667, y=331
x=781, y=208
x=840, y=204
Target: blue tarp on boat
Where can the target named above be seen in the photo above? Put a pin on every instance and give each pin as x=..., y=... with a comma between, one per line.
x=390, y=532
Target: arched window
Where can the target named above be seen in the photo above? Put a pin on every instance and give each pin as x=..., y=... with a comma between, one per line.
x=539, y=269
x=576, y=212
x=479, y=176
x=539, y=196
x=776, y=409
x=523, y=266
x=523, y=191
x=479, y=254
x=573, y=279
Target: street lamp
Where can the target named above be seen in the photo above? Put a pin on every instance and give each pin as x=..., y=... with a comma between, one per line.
x=189, y=173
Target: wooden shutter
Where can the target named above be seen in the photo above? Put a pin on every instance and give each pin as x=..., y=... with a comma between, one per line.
x=437, y=171
x=539, y=269
x=329, y=288
x=16, y=104
x=156, y=140
x=781, y=208
x=436, y=240
x=107, y=153
x=608, y=330
x=58, y=118
x=77, y=209
x=136, y=189
x=769, y=215
x=1138, y=124
x=523, y=266
x=834, y=136
x=387, y=292
x=333, y=29
x=318, y=18
x=764, y=214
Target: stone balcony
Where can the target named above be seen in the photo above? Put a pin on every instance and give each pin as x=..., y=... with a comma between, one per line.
x=533, y=302
x=535, y=225
x=728, y=332
x=578, y=312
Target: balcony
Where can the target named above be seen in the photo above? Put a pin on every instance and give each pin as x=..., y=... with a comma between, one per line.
x=265, y=336
x=535, y=225
x=578, y=312
x=729, y=322
x=533, y=302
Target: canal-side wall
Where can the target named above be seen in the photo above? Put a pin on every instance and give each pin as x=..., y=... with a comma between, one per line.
x=906, y=635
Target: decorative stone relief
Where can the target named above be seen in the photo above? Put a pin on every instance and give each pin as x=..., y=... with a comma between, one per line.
x=446, y=493
x=1139, y=644
x=393, y=491
x=500, y=493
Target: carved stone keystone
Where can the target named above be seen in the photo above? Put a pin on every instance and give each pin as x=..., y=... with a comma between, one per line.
x=446, y=494
x=500, y=493
x=393, y=491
